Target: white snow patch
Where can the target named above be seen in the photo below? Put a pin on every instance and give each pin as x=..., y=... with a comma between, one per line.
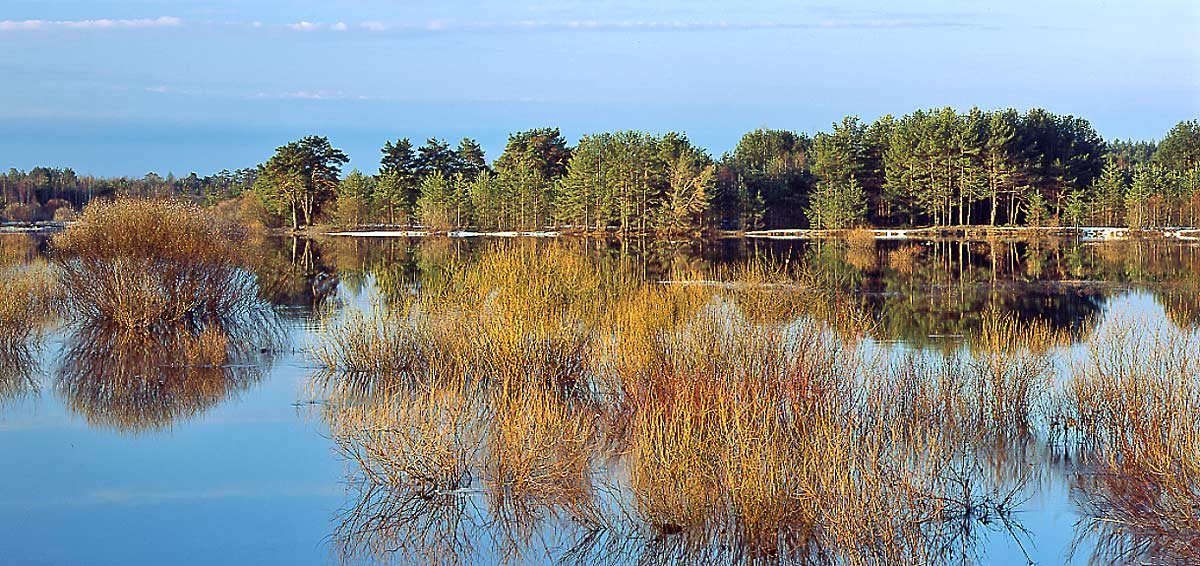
x=382, y=234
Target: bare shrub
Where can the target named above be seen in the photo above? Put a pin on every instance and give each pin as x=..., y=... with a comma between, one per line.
x=21, y=212
x=137, y=263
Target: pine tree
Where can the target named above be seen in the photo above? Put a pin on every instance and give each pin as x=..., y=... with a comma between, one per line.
x=469, y=159
x=1109, y=190
x=437, y=205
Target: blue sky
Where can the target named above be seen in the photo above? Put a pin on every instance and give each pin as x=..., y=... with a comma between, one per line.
x=130, y=86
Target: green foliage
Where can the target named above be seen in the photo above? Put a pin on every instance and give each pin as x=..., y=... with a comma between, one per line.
x=1076, y=212
x=487, y=200
x=531, y=163
x=765, y=181
x=395, y=192
x=469, y=160
x=439, y=206
x=691, y=183
x=436, y=157
x=356, y=185
x=1036, y=210
x=1109, y=192
x=838, y=162
x=300, y=178
x=1143, y=201
x=1180, y=150
x=930, y=167
x=354, y=196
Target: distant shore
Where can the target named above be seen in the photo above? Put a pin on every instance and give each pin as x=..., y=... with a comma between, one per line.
x=978, y=233
x=1085, y=233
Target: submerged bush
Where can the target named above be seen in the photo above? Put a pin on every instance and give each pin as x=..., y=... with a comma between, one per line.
x=137, y=263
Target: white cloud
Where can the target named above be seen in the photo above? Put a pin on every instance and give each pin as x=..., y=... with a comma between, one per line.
x=444, y=26
x=311, y=95
x=101, y=24
x=304, y=26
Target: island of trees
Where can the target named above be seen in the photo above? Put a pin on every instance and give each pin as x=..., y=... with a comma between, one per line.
x=935, y=167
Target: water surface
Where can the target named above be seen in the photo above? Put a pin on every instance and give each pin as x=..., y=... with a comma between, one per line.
x=247, y=472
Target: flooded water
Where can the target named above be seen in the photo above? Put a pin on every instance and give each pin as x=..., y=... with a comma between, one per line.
x=122, y=452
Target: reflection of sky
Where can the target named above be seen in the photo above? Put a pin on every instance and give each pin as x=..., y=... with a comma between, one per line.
x=127, y=86
x=252, y=478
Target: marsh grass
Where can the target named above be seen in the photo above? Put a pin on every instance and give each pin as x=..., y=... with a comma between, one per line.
x=1012, y=368
x=27, y=293
x=17, y=249
x=26, y=296
x=1133, y=409
x=138, y=263
x=904, y=259
x=743, y=418
x=861, y=251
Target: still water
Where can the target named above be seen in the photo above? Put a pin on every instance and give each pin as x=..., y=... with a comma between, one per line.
x=247, y=472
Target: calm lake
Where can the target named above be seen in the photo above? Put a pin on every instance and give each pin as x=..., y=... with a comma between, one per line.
x=121, y=452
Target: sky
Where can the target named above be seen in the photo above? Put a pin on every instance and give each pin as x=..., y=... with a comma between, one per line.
x=124, y=87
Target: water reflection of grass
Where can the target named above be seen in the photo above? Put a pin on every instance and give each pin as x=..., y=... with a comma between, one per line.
x=26, y=295
x=135, y=381
x=747, y=420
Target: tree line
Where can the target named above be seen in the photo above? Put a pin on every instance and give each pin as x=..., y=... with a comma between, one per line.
x=41, y=192
x=937, y=167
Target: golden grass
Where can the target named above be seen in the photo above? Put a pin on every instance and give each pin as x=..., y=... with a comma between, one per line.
x=743, y=410
x=904, y=259
x=25, y=302
x=861, y=252
x=1134, y=406
x=137, y=263
x=17, y=249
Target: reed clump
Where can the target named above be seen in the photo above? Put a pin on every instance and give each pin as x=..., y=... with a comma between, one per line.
x=25, y=299
x=740, y=410
x=1134, y=407
x=861, y=252
x=1012, y=368
x=17, y=249
x=425, y=440
x=139, y=263
x=25, y=303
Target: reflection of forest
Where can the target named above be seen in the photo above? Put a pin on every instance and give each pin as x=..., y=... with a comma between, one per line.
x=917, y=292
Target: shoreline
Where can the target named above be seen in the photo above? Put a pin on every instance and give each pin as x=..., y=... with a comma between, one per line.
x=967, y=233
x=957, y=233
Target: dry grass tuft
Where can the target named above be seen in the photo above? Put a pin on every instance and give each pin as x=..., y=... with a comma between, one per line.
x=136, y=263
x=738, y=415
x=1134, y=407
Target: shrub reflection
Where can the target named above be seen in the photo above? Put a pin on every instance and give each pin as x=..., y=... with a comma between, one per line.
x=136, y=381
